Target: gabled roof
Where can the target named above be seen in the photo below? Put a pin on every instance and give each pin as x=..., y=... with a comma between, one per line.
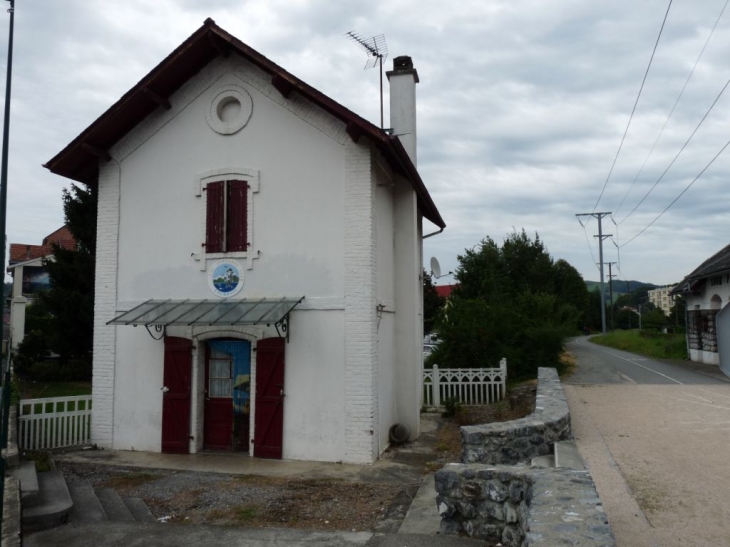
x=718, y=263
x=79, y=159
x=20, y=252
x=444, y=291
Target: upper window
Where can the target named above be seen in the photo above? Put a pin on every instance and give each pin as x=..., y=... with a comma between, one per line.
x=226, y=216
x=226, y=221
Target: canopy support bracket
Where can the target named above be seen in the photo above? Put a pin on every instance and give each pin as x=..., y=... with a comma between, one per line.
x=284, y=324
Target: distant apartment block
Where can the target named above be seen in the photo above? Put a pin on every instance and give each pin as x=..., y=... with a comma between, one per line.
x=661, y=299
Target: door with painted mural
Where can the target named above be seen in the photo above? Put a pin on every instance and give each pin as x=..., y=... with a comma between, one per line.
x=227, y=395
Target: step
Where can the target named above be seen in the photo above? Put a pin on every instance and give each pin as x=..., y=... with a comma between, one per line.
x=543, y=461
x=54, y=503
x=139, y=510
x=423, y=517
x=113, y=505
x=28, y=478
x=87, y=507
x=567, y=455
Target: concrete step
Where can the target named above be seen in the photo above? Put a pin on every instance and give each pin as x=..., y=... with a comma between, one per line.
x=54, y=503
x=28, y=478
x=87, y=507
x=567, y=455
x=139, y=510
x=423, y=517
x=543, y=461
x=113, y=505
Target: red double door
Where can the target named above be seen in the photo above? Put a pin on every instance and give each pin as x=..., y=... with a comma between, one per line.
x=269, y=402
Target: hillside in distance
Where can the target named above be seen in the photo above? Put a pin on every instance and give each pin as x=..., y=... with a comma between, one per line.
x=621, y=287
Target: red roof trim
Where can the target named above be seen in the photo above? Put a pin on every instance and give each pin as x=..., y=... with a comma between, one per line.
x=79, y=159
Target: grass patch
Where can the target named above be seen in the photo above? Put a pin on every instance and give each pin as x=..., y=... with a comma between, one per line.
x=128, y=481
x=651, y=344
x=41, y=458
x=36, y=390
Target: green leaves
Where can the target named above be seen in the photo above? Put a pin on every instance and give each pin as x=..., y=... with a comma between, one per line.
x=512, y=301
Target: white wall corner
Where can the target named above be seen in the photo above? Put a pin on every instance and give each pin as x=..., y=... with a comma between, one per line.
x=104, y=350
x=361, y=351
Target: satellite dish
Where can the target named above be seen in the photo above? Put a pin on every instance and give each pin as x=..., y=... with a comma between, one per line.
x=435, y=267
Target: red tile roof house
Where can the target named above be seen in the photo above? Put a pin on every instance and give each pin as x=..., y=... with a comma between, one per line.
x=267, y=243
x=26, y=267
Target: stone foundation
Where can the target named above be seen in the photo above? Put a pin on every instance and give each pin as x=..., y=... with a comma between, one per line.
x=522, y=506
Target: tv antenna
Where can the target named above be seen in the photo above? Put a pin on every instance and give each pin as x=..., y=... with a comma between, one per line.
x=377, y=51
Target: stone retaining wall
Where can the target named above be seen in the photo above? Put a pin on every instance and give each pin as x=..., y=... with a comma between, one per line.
x=521, y=440
x=522, y=506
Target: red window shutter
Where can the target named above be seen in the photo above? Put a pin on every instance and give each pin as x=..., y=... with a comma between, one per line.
x=215, y=218
x=237, y=222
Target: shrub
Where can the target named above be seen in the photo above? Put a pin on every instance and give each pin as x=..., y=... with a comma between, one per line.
x=33, y=349
x=452, y=407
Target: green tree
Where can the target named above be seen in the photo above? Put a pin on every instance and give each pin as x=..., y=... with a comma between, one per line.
x=432, y=303
x=654, y=319
x=68, y=304
x=511, y=301
x=677, y=314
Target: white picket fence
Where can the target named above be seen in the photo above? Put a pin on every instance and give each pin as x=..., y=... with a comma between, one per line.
x=54, y=422
x=472, y=386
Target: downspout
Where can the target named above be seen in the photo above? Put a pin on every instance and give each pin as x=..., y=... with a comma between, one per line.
x=434, y=233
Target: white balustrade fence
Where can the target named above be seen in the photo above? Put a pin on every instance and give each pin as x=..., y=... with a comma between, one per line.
x=54, y=422
x=472, y=386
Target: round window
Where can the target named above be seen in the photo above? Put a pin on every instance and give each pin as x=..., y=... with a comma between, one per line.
x=229, y=110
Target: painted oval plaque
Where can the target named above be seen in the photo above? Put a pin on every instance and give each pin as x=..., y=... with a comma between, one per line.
x=225, y=278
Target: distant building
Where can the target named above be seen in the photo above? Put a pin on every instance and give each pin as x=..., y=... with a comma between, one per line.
x=30, y=276
x=662, y=298
x=444, y=291
x=707, y=291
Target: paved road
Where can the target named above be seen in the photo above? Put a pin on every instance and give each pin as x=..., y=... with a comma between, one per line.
x=600, y=365
x=654, y=435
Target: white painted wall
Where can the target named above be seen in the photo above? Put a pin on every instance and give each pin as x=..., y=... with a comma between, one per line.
x=138, y=391
x=314, y=405
x=386, y=285
x=300, y=230
x=323, y=227
x=408, y=294
x=298, y=217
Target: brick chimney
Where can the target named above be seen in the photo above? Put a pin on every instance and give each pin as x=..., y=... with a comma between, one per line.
x=403, y=79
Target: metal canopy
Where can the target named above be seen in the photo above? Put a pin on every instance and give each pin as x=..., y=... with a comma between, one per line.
x=246, y=311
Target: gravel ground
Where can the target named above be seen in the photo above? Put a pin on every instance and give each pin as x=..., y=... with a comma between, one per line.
x=257, y=501
x=244, y=500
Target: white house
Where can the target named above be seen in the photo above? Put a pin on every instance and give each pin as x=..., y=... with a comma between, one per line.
x=706, y=292
x=266, y=243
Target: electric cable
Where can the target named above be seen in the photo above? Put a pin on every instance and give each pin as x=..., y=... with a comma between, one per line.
x=633, y=109
x=680, y=194
x=678, y=153
x=671, y=112
x=588, y=241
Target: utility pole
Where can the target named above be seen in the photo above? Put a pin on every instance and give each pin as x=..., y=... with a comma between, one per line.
x=601, y=237
x=610, y=289
x=628, y=291
x=3, y=223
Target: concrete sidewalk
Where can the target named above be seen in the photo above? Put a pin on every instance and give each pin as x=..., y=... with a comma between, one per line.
x=382, y=471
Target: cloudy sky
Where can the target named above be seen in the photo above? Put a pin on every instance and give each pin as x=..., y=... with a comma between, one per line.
x=522, y=106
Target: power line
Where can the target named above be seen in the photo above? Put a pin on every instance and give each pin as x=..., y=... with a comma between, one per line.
x=676, y=102
x=678, y=153
x=588, y=242
x=633, y=109
x=680, y=195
